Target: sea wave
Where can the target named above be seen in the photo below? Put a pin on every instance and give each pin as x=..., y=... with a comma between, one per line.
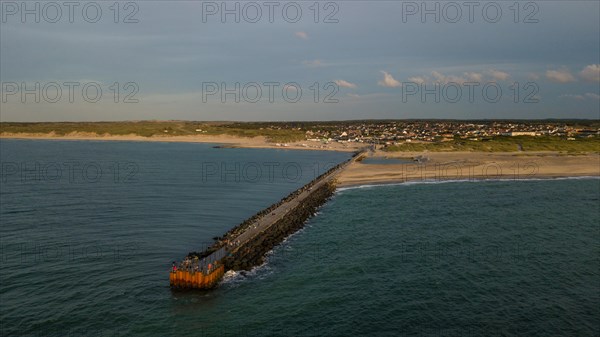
x=234, y=278
x=438, y=181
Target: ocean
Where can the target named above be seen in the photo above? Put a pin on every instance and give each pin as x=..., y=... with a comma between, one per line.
x=90, y=228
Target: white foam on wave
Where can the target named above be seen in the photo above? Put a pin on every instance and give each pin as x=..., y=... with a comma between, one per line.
x=436, y=181
x=232, y=277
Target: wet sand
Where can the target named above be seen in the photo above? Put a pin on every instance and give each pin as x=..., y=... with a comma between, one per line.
x=471, y=166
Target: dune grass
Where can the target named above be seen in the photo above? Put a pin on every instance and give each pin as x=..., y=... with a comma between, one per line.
x=154, y=128
x=292, y=132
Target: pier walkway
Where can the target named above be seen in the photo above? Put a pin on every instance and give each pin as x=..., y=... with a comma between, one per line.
x=264, y=222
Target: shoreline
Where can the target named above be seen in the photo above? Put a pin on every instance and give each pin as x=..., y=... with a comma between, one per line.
x=224, y=141
x=432, y=166
x=350, y=186
x=470, y=166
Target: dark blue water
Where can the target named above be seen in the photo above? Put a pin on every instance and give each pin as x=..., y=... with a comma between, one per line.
x=87, y=254
x=90, y=228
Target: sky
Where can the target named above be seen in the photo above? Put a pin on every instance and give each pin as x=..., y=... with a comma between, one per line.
x=302, y=60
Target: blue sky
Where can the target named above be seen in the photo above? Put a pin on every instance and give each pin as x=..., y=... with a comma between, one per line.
x=377, y=54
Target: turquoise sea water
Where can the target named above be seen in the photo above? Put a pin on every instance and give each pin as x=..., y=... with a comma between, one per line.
x=87, y=254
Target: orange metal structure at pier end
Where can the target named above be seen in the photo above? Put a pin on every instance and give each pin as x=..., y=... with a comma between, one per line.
x=184, y=279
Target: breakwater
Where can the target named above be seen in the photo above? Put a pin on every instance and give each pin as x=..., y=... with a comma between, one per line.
x=252, y=252
x=244, y=246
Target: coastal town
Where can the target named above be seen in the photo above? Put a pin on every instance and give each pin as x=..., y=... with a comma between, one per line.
x=396, y=135
x=394, y=132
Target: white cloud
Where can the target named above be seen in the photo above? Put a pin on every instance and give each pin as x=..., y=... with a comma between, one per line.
x=388, y=81
x=588, y=95
x=474, y=77
x=344, y=84
x=560, y=76
x=290, y=87
x=499, y=75
x=313, y=63
x=443, y=79
x=440, y=78
x=577, y=97
x=418, y=79
x=302, y=35
x=533, y=76
x=592, y=95
x=591, y=73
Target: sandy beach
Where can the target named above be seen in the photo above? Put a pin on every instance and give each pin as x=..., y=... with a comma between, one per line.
x=470, y=166
x=224, y=140
x=433, y=166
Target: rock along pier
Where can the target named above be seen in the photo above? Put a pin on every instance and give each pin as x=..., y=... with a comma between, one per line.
x=244, y=246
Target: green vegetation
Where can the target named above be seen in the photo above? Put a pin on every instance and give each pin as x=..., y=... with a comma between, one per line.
x=505, y=144
x=158, y=128
x=267, y=130
x=285, y=132
x=146, y=128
